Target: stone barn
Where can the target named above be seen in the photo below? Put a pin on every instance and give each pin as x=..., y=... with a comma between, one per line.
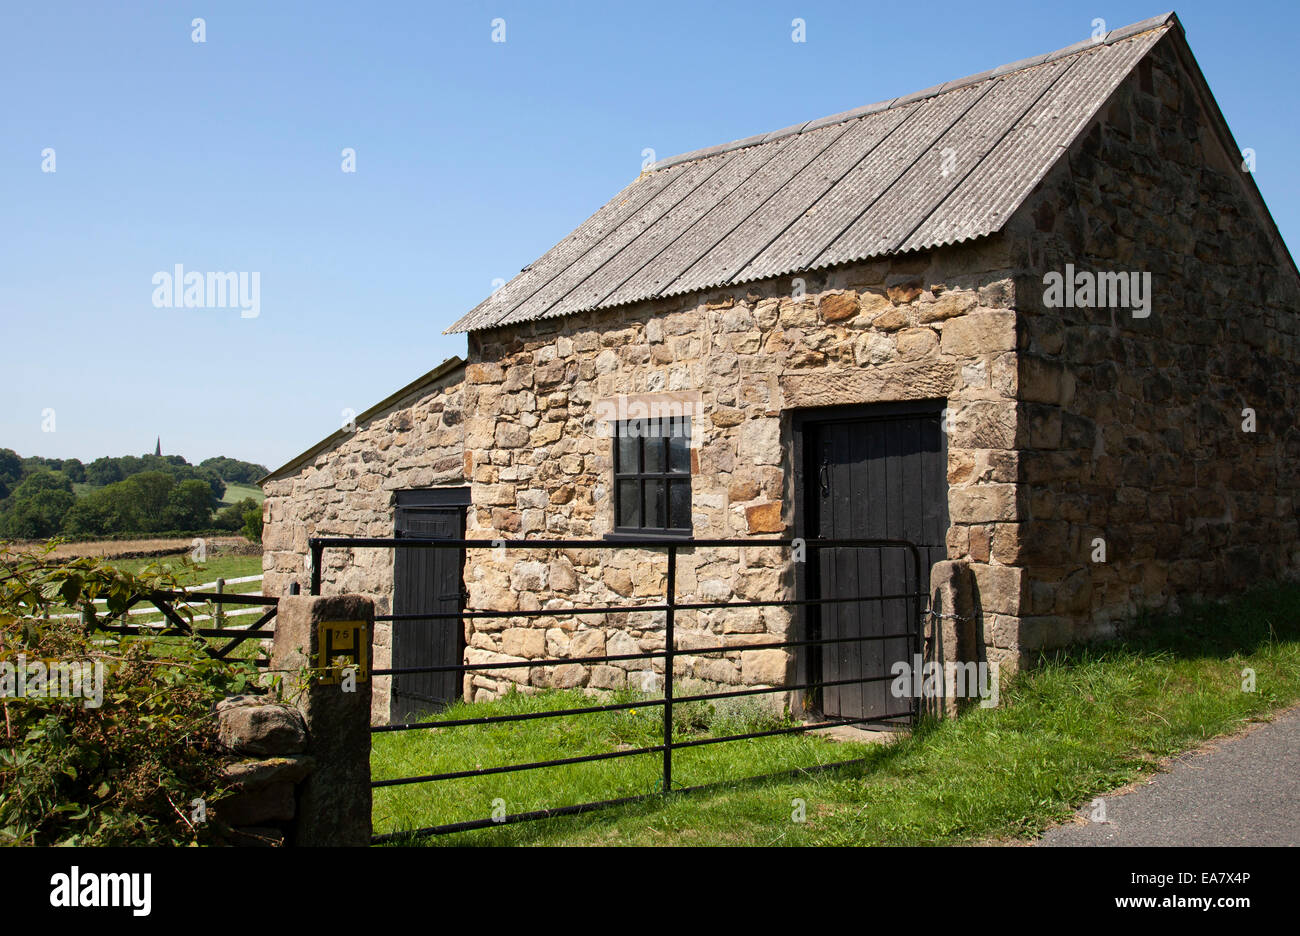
x=1037, y=321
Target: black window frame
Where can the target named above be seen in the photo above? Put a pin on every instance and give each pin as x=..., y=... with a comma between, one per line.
x=650, y=432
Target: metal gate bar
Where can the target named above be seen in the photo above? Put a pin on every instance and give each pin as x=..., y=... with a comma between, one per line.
x=669, y=607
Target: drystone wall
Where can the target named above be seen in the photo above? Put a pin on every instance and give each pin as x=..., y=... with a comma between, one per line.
x=349, y=490
x=1160, y=443
x=538, y=398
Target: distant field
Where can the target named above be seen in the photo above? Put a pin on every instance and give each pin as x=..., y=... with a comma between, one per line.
x=237, y=492
x=153, y=546
x=234, y=492
x=197, y=573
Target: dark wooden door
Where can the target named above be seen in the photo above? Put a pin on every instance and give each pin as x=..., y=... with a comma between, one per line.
x=878, y=477
x=427, y=581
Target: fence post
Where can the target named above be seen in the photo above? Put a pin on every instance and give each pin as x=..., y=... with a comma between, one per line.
x=221, y=609
x=311, y=633
x=669, y=647
x=952, y=626
x=316, y=550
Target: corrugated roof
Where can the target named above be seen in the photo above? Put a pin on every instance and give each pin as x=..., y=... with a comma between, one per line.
x=937, y=167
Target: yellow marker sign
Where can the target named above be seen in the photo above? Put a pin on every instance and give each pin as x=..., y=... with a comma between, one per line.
x=341, y=646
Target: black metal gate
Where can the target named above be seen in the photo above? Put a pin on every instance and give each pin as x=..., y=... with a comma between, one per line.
x=905, y=706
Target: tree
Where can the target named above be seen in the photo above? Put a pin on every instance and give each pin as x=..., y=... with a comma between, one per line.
x=103, y=471
x=218, y=486
x=37, y=506
x=148, y=492
x=75, y=470
x=189, y=506
x=231, y=517
x=253, y=525
x=11, y=467
x=91, y=515
x=232, y=469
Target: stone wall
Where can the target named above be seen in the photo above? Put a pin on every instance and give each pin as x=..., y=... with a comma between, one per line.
x=348, y=490
x=937, y=326
x=267, y=743
x=1132, y=428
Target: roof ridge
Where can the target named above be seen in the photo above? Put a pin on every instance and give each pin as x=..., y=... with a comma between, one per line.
x=1115, y=35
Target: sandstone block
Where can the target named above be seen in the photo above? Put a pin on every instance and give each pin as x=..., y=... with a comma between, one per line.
x=484, y=373
x=949, y=305
x=892, y=319
x=903, y=291
x=249, y=774
x=569, y=676
x=526, y=642
x=837, y=307
x=273, y=802
x=764, y=518
x=607, y=677
x=1045, y=381
x=765, y=667
x=980, y=333
x=587, y=643
x=917, y=343
x=725, y=416
x=999, y=588
x=983, y=503
x=254, y=725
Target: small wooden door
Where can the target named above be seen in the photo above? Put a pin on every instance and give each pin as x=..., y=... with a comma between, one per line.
x=427, y=581
x=880, y=475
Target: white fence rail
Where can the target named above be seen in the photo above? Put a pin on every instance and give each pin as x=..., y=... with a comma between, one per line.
x=198, y=600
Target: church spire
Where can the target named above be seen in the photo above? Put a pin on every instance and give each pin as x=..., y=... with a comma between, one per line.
x=157, y=449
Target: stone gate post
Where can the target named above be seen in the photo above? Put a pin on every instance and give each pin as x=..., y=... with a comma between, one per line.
x=322, y=649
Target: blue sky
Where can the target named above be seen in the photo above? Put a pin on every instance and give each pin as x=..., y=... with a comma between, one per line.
x=473, y=157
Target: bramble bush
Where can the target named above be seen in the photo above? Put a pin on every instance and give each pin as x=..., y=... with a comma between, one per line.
x=128, y=771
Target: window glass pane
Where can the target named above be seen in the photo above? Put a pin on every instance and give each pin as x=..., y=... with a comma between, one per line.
x=679, y=452
x=679, y=505
x=626, y=446
x=638, y=428
x=654, y=504
x=629, y=504
x=654, y=450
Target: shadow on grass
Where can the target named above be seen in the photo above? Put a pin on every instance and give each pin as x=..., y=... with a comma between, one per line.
x=525, y=831
x=1080, y=720
x=1203, y=629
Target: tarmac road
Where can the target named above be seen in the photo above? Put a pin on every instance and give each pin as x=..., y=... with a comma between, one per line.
x=1243, y=790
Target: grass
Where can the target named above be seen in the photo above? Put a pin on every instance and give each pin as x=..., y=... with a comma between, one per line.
x=401, y=754
x=189, y=574
x=236, y=492
x=223, y=567
x=1076, y=725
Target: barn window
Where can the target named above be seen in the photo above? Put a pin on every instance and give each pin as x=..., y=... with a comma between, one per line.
x=652, y=476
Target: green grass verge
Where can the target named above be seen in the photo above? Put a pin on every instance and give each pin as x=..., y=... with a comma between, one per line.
x=1077, y=724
